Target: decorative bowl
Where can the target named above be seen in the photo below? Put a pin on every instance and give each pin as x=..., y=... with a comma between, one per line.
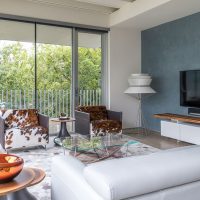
x=63, y=116
x=10, y=167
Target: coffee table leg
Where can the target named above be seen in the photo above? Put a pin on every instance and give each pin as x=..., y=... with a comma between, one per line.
x=19, y=195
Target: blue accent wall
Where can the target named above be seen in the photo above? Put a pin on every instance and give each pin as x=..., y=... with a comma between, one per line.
x=166, y=50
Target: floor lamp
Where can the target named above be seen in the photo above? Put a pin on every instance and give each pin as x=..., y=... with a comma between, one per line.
x=139, y=87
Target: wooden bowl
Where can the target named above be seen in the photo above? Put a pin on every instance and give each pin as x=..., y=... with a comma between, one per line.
x=10, y=167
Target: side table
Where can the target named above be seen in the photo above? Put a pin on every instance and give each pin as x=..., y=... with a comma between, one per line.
x=16, y=189
x=63, y=127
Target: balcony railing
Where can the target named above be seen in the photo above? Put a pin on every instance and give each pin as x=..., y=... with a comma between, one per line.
x=49, y=102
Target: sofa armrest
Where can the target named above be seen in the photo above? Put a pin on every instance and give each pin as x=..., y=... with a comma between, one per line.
x=2, y=132
x=82, y=123
x=44, y=121
x=68, y=182
x=157, y=176
x=114, y=115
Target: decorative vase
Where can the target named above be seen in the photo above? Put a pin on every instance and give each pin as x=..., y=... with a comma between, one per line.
x=10, y=167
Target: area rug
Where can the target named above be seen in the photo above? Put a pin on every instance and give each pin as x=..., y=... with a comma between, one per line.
x=134, y=148
x=41, y=158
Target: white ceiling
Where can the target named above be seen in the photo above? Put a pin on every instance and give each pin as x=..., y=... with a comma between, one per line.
x=138, y=14
x=101, y=6
x=108, y=3
x=161, y=12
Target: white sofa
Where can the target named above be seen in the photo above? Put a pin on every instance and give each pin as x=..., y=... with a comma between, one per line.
x=165, y=175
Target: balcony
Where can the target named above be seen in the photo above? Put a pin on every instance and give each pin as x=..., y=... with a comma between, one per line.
x=49, y=102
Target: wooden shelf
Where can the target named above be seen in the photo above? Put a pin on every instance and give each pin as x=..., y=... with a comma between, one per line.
x=176, y=117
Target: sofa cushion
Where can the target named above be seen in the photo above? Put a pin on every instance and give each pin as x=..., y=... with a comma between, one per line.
x=21, y=118
x=133, y=176
x=22, y=137
x=96, y=112
x=101, y=127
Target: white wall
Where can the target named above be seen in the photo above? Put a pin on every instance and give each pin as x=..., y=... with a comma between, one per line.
x=125, y=58
x=53, y=12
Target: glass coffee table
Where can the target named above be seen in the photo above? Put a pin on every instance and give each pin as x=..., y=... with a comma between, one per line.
x=100, y=146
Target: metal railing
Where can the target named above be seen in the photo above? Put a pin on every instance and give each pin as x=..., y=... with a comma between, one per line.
x=49, y=102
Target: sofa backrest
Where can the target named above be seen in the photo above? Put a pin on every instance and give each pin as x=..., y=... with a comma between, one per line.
x=138, y=175
x=20, y=118
x=96, y=112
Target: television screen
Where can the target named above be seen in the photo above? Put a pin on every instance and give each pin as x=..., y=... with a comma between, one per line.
x=190, y=88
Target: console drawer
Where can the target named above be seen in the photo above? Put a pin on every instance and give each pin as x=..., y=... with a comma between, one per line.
x=190, y=133
x=170, y=129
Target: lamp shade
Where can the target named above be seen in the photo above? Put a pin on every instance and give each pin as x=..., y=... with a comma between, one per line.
x=139, y=84
x=139, y=90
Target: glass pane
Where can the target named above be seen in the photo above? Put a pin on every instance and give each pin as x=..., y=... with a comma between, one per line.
x=54, y=61
x=17, y=65
x=89, y=68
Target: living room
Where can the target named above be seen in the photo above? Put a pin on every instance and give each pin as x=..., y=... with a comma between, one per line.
x=72, y=130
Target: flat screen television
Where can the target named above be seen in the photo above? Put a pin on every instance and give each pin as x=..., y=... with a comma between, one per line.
x=190, y=88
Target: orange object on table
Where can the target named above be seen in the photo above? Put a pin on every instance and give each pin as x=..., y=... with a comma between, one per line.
x=10, y=167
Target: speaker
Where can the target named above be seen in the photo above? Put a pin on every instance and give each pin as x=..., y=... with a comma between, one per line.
x=194, y=111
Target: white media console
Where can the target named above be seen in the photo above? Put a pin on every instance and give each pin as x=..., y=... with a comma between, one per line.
x=180, y=127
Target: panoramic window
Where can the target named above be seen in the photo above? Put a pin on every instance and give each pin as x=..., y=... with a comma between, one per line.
x=89, y=68
x=17, y=65
x=38, y=70
x=54, y=64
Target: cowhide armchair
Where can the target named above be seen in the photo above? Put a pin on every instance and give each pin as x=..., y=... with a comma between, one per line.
x=23, y=128
x=97, y=121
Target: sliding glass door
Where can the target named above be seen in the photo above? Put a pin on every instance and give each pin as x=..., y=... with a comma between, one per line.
x=48, y=67
x=54, y=69
x=17, y=65
x=89, y=68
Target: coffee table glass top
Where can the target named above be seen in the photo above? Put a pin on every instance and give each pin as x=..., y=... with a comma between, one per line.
x=79, y=142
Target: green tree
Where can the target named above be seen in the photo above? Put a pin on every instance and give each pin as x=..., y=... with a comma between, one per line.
x=89, y=68
x=54, y=63
x=54, y=72
x=16, y=67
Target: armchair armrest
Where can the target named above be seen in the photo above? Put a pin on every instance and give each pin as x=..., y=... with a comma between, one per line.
x=44, y=121
x=2, y=132
x=114, y=115
x=82, y=123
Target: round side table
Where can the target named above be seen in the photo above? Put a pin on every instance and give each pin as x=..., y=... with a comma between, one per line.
x=16, y=189
x=63, y=127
